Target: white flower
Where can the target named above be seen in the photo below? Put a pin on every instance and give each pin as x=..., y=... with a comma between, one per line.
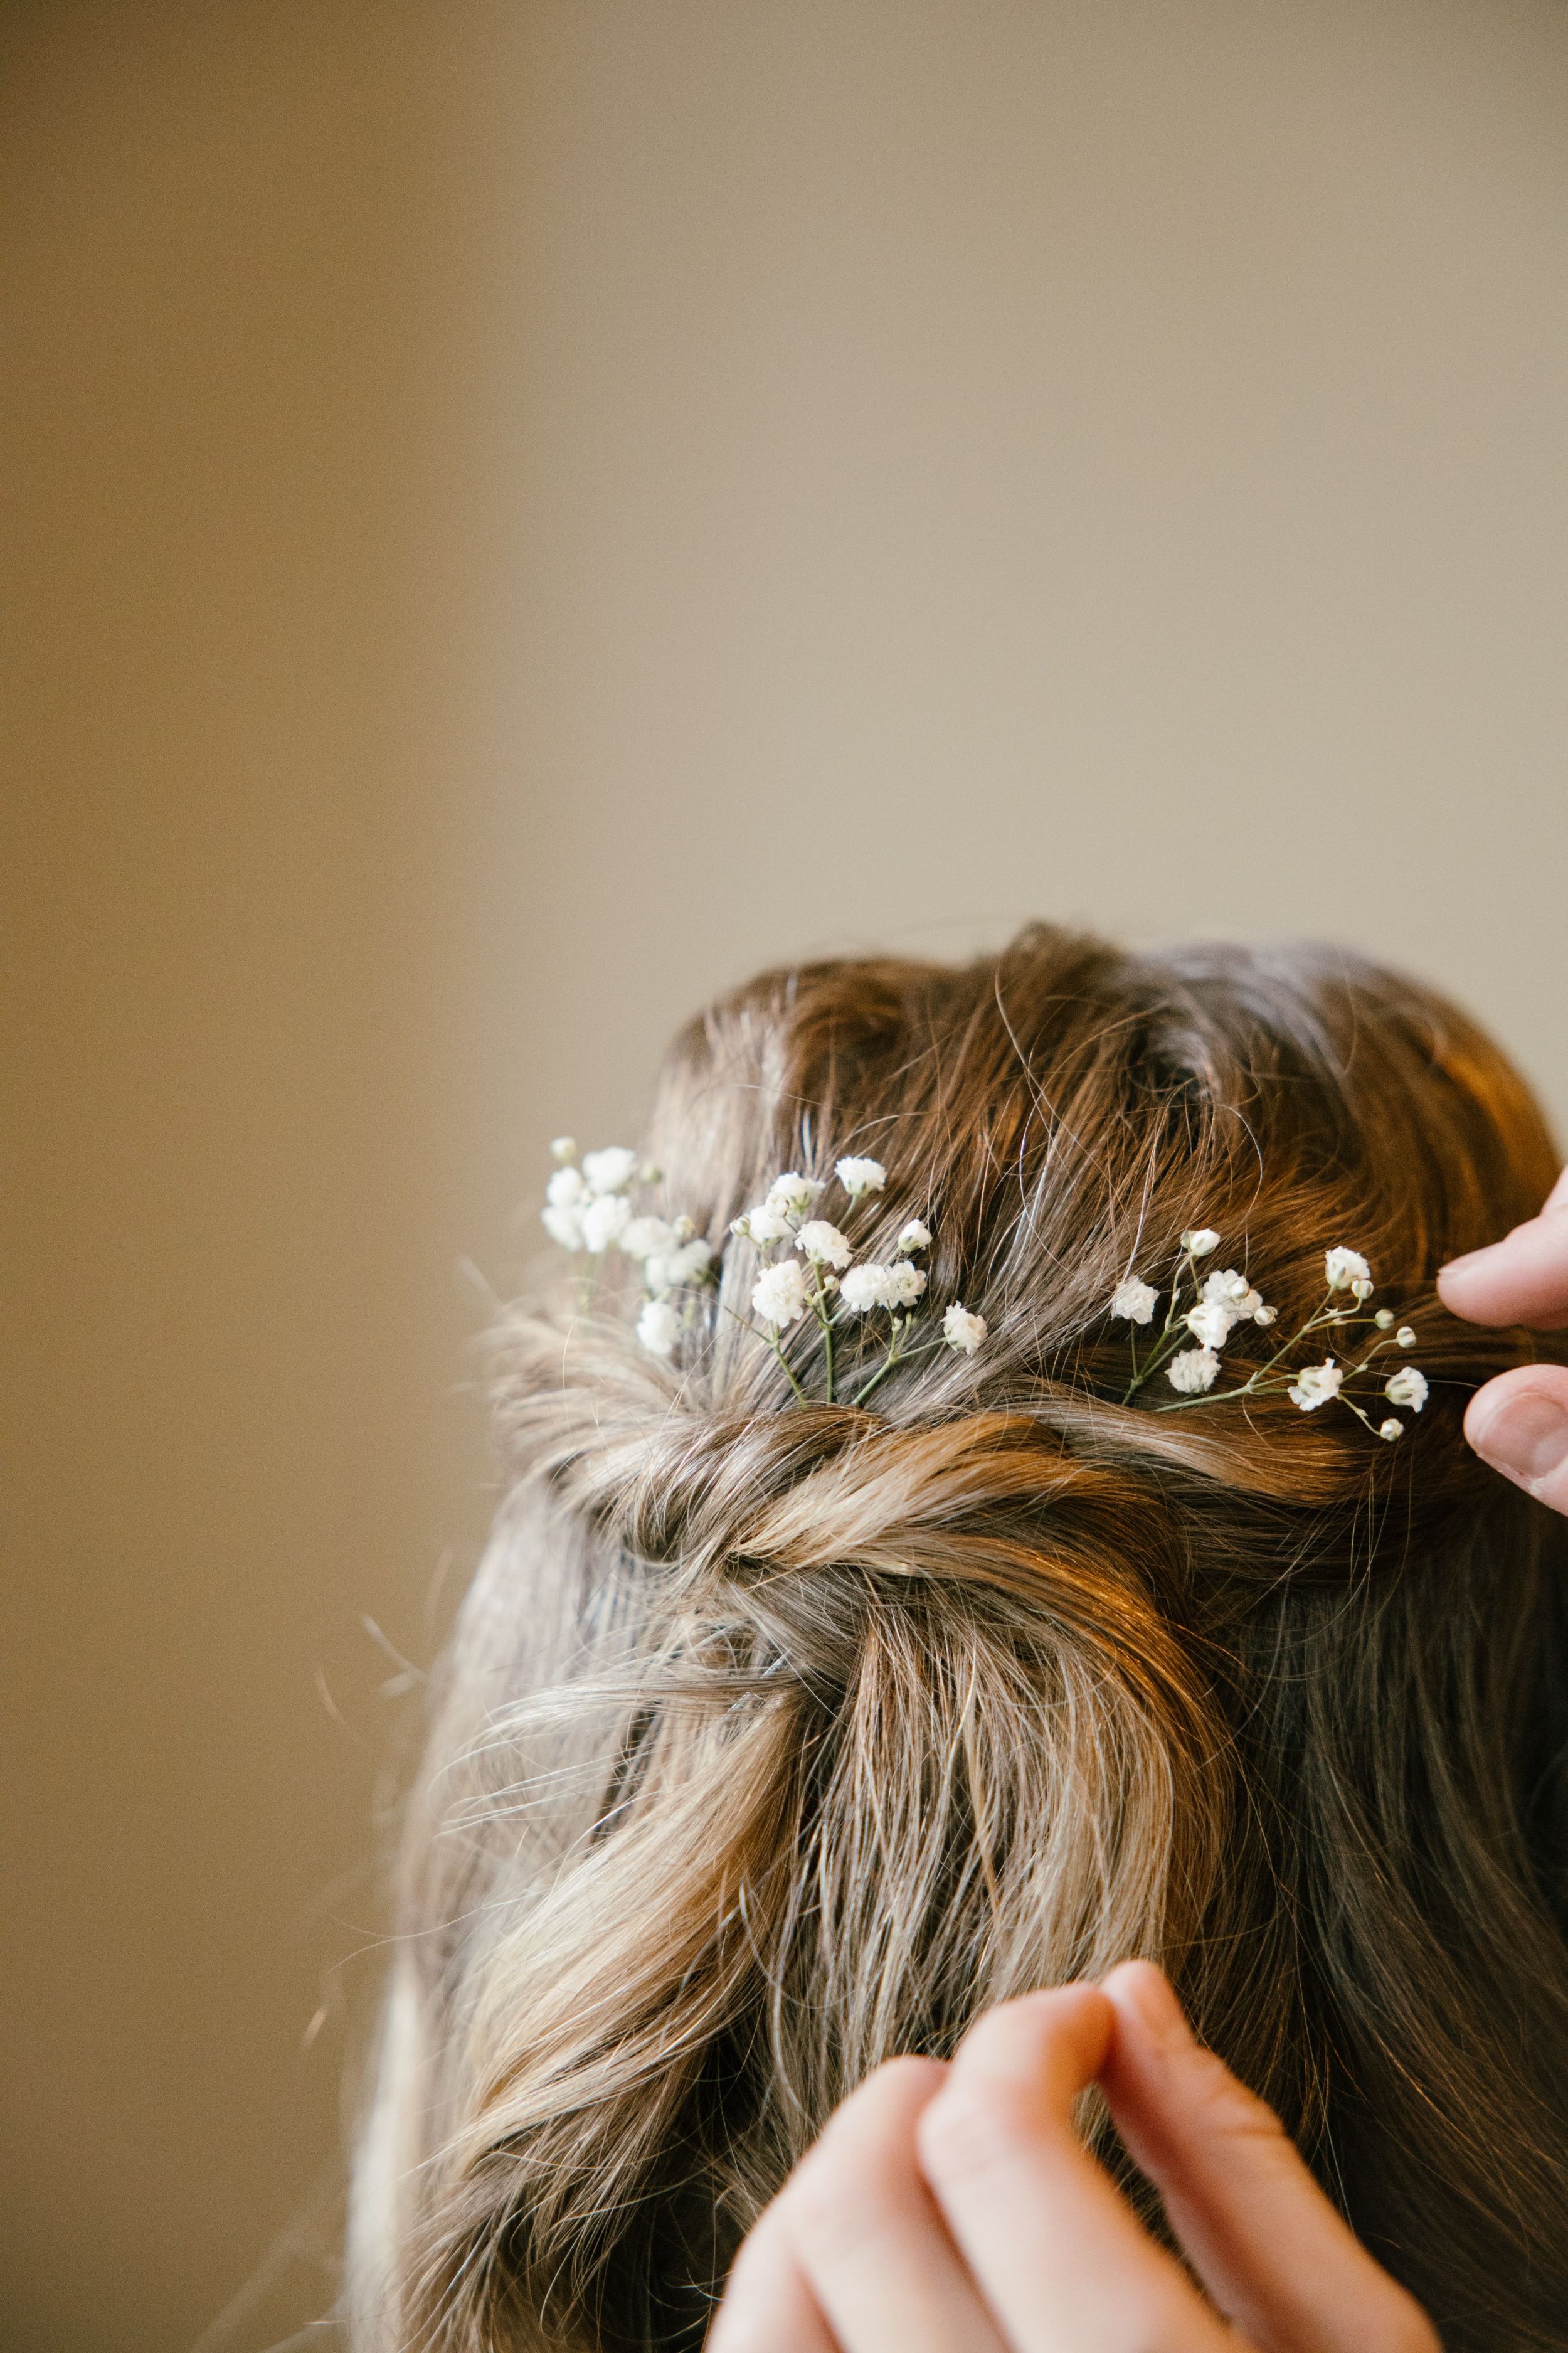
x=1315, y=1385
x=963, y=1330
x=564, y=1148
x=564, y=1188
x=605, y=1220
x=860, y=1176
x=790, y=1196
x=1200, y=1240
x=1234, y=1291
x=905, y=1283
x=763, y=1225
x=1406, y=1336
x=685, y=1263
x=1407, y=1387
x=779, y=1293
x=647, y=1236
x=915, y=1236
x=1209, y=1324
x=1383, y=1318
x=1192, y=1371
x=1133, y=1301
x=1391, y=1428
x=1264, y=1315
x=611, y=1170
x=1346, y=1267
x=1362, y=1290
x=866, y=1286
x=563, y=1224
x=658, y=1327
x=822, y=1244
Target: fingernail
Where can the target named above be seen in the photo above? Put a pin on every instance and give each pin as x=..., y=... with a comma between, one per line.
x=1525, y=1437
x=1468, y=1258
x=1160, y=2014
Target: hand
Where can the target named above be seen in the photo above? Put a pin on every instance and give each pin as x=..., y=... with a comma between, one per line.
x=951, y=2208
x=1519, y=1422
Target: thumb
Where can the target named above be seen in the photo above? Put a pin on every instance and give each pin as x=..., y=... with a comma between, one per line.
x=1272, y=2251
x=1518, y=1423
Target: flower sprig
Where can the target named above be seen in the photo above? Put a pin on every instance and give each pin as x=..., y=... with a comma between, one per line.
x=590, y=1207
x=816, y=1277
x=1207, y=1308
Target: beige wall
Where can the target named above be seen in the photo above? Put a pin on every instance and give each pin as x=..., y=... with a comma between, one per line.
x=517, y=515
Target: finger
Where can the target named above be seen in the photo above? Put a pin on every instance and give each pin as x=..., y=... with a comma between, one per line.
x=1523, y=1278
x=1518, y=1423
x=866, y=2233
x=1261, y=2236
x=768, y=2305
x=1057, y=2255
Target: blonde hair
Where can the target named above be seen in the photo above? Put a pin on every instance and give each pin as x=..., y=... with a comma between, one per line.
x=776, y=1739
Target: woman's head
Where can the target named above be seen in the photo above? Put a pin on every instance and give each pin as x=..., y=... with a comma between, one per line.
x=778, y=1737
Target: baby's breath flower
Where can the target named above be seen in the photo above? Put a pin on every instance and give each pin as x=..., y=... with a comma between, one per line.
x=563, y=1224
x=822, y=1244
x=1345, y=1266
x=1133, y=1301
x=905, y=1283
x=1232, y=1292
x=1265, y=1314
x=915, y=1236
x=658, y=1327
x=791, y=1196
x=1406, y=1336
x=611, y=1170
x=1315, y=1385
x=647, y=1237
x=866, y=1286
x=860, y=1176
x=779, y=1293
x=564, y=1148
x=1200, y=1240
x=763, y=1224
x=963, y=1330
x=1195, y=1370
x=1407, y=1387
x=605, y=1220
x=1383, y=1318
x=1209, y=1324
x=1362, y=1290
x=685, y=1264
x=1391, y=1428
x=565, y=1186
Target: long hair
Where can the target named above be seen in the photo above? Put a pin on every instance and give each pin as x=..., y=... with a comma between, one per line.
x=776, y=1738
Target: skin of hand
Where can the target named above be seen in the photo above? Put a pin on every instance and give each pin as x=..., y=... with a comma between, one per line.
x=950, y=2207
x=1519, y=1422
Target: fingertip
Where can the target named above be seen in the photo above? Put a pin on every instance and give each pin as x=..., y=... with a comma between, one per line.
x=1519, y=1424
x=1145, y=2002
x=1062, y=2032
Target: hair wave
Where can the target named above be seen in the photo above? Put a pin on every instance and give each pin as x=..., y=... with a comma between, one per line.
x=774, y=1740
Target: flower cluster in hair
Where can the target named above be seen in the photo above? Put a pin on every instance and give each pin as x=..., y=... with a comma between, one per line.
x=592, y=1206
x=1207, y=1308
x=815, y=1274
x=808, y=1270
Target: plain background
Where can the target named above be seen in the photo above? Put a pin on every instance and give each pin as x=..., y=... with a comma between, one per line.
x=517, y=515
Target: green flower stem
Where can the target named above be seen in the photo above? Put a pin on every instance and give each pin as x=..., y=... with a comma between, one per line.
x=768, y=1340
x=897, y=1356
